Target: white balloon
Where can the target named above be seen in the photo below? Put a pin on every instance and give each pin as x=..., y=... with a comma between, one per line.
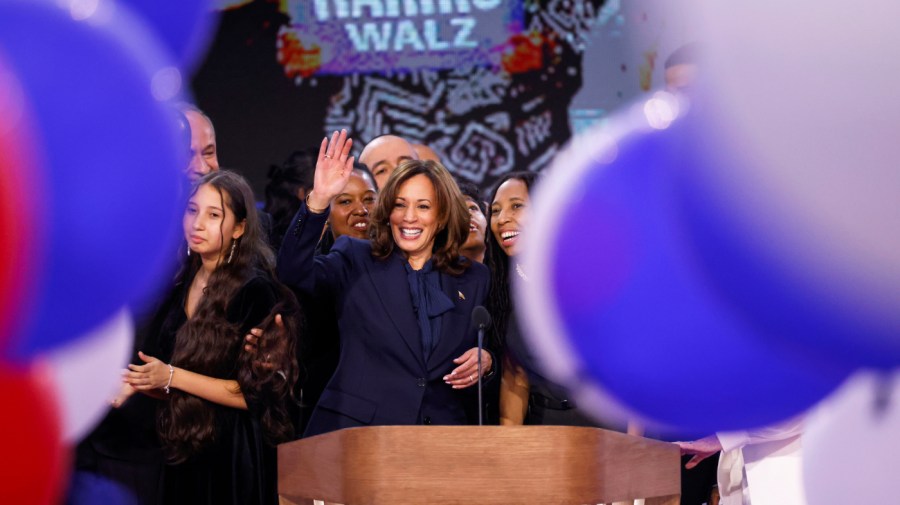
x=808, y=95
x=852, y=443
x=87, y=373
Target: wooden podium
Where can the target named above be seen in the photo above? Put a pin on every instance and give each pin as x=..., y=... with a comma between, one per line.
x=476, y=465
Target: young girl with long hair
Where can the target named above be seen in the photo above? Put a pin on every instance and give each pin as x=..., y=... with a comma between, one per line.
x=224, y=409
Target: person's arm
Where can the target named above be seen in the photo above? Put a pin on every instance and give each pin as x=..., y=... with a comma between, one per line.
x=295, y=258
x=125, y=392
x=466, y=374
x=296, y=265
x=700, y=449
x=514, y=390
x=781, y=431
x=222, y=391
x=707, y=446
x=154, y=376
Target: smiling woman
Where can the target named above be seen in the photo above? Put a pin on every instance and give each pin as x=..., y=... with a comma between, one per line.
x=421, y=212
x=350, y=209
x=526, y=396
x=404, y=299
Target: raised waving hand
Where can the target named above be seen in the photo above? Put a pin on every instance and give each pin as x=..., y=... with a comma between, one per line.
x=333, y=168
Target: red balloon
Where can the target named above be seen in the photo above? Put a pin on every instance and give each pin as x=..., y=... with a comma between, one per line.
x=20, y=214
x=34, y=462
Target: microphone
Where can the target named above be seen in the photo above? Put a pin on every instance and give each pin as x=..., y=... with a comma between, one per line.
x=481, y=318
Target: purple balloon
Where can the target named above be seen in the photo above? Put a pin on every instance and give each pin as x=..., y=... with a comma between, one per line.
x=112, y=162
x=823, y=311
x=619, y=282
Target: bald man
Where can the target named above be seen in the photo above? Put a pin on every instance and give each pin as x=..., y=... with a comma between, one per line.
x=681, y=68
x=204, y=155
x=383, y=154
x=426, y=153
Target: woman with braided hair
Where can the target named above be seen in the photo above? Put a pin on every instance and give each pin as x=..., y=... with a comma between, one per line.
x=526, y=396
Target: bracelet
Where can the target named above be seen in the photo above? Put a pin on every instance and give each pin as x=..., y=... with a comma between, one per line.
x=171, y=373
x=310, y=207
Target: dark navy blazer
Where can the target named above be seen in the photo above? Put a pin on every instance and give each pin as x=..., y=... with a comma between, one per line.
x=382, y=377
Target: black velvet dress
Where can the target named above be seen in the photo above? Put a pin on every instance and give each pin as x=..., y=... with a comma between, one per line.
x=239, y=467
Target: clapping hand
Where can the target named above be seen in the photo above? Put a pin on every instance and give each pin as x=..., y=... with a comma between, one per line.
x=125, y=392
x=153, y=374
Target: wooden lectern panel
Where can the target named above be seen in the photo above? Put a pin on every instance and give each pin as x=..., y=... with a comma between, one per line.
x=478, y=465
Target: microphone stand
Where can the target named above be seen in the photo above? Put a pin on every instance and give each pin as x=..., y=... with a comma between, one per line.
x=480, y=345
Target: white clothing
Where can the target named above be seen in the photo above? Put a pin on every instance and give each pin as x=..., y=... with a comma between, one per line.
x=762, y=466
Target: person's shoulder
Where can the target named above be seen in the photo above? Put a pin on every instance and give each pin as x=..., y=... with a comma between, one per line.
x=352, y=246
x=258, y=281
x=480, y=269
x=475, y=269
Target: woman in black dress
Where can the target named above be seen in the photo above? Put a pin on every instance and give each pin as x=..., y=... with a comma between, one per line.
x=223, y=410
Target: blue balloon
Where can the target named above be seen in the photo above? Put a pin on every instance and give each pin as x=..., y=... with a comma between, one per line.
x=624, y=283
x=112, y=162
x=184, y=26
x=87, y=488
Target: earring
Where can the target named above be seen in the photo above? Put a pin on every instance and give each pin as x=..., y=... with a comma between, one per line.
x=188, y=250
x=231, y=254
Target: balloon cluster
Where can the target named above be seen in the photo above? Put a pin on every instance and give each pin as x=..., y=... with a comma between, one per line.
x=91, y=169
x=728, y=266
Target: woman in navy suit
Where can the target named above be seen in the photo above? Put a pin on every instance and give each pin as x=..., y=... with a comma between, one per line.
x=404, y=299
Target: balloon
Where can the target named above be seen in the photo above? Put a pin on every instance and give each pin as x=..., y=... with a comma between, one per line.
x=91, y=489
x=20, y=216
x=807, y=225
x=32, y=465
x=852, y=443
x=186, y=26
x=87, y=373
x=111, y=158
x=619, y=297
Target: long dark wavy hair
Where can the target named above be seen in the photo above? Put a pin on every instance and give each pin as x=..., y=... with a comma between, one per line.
x=499, y=303
x=453, y=216
x=209, y=344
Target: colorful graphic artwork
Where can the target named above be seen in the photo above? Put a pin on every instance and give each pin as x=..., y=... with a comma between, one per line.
x=487, y=108
x=542, y=71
